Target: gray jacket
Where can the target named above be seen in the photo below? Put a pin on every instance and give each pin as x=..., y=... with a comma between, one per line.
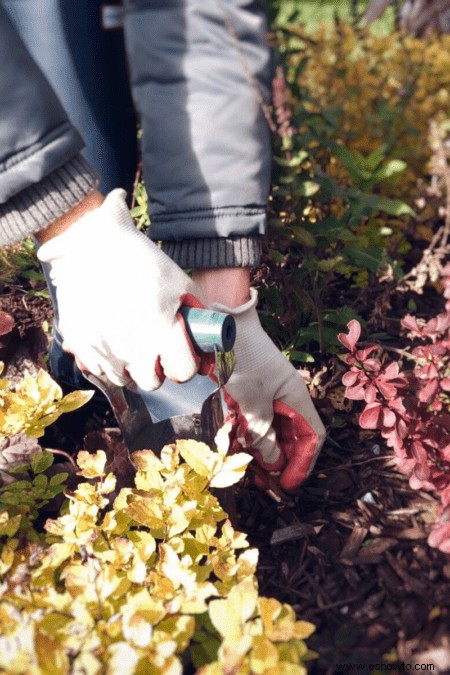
x=198, y=70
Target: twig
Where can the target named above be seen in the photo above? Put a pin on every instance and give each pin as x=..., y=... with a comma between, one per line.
x=63, y=454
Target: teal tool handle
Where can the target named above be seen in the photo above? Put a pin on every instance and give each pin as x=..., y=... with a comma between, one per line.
x=208, y=330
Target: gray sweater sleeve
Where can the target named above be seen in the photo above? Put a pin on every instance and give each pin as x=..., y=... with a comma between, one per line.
x=39, y=204
x=199, y=70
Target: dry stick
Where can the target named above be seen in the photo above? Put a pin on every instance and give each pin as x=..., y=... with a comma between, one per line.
x=438, y=247
x=64, y=454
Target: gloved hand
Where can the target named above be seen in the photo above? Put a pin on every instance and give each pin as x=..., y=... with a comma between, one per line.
x=275, y=416
x=118, y=296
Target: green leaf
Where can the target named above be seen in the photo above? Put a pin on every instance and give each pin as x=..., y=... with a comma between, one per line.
x=17, y=486
x=40, y=482
x=41, y=461
x=373, y=160
x=305, y=188
x=294, y=161
x=20, y=468
x=302, y=236
x=327, y=265
x=58, y=478
x=370, y=258
x=392, y=168
x=331, y=230
x=295, y=355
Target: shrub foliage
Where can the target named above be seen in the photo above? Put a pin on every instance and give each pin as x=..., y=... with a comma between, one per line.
x=149, y=579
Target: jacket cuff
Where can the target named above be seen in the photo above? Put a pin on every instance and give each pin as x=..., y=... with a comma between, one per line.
x=215, y=252
x=40, y=204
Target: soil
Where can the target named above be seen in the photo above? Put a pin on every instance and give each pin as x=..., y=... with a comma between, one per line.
x=349, y=553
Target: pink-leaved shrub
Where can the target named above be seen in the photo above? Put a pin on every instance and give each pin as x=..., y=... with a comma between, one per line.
x=410, y=405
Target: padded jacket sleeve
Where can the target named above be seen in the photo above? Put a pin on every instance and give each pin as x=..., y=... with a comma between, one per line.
x=199, y=70
x=42, y=174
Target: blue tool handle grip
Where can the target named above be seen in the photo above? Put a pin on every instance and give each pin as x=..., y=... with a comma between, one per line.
x=208, y=330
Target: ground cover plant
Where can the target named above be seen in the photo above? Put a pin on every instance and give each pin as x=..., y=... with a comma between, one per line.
x=358, y=245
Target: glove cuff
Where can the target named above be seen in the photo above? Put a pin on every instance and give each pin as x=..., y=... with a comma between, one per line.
x=246, y=308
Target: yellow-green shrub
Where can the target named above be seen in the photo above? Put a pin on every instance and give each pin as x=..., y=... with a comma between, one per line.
x=156, y=582
x=384, y=89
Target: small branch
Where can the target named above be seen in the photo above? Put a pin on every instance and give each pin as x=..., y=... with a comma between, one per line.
x=63, y=454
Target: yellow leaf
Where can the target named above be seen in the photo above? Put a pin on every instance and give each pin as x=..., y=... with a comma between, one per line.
x=144, y=542
x=170, y=457
x=57, y=554
x=122, y=659
x=92, y=465
x=74, y=400
x=232, y=470
x=9, y=526
x=146, y=460
x=222, y=439
x=303, y=629
x=136, y=629
x=228, y=615
x=146, y=511
x=175, y=568
x=85, y=663
x=232, y=653
x=200, y=457
x=180, y=629
x=263, y=655
x=152, y=609
x=51, y=655
x=77, y=580
x=138, y=572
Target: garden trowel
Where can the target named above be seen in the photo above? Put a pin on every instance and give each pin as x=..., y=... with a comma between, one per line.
x=194, y=409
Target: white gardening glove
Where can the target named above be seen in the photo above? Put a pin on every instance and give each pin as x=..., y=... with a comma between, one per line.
x=275, y=416
x=118, y=296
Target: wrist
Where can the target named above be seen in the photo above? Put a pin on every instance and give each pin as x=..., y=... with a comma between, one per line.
x=91, y=202
x=225, y=286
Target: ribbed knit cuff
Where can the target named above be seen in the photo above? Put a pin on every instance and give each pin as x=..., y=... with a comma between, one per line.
x=215, y=252
x=39, y=205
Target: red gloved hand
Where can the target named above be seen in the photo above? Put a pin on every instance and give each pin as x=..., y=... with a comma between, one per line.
x=275, y=417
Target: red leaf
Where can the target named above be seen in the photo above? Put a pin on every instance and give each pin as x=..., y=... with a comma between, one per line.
x=391, y=371
x=355, y=393
x=410, y=323
x=7, y=325
x=350, y=378
x=440, y=537
x=445, y=453
x=354, y=333
x=362, y=354
x=438, y=325
x=370, y=416
x=389, y=418
x=370, y=394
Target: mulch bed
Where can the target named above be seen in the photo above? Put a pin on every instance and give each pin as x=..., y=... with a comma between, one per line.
x=349, y=553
